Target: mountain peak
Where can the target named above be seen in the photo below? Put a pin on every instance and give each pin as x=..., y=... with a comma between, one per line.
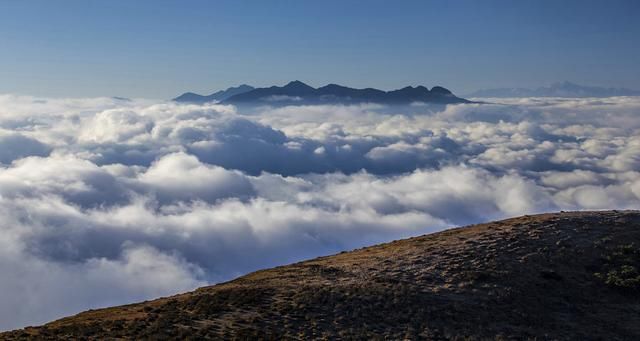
x=242, y=87
x=297, y=85
x=441, y=90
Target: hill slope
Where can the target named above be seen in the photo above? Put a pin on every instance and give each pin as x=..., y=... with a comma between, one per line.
x=551, y=276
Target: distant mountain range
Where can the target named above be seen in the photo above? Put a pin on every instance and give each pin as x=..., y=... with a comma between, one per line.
x=219, y=96
x=297, y=92
x=561, y=89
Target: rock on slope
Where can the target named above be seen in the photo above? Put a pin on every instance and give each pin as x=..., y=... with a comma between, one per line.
x=551, y=276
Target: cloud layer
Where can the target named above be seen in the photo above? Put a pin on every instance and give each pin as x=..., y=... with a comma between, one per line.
x=105, y=201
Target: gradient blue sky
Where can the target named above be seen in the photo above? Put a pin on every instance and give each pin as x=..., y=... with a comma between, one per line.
x=162, y=48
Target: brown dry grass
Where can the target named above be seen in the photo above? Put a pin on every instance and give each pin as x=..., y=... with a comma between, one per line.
x=532, y=277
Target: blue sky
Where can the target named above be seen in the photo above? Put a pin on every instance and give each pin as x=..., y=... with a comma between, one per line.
x=162, y=48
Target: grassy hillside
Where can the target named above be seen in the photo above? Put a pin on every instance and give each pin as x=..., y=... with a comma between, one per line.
x=551, y=276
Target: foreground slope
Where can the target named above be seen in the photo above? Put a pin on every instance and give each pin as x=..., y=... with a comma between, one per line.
x=551, y=276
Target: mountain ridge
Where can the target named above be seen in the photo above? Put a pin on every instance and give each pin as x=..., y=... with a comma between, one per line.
x=566, y=275
x=297, y=92
x=559, y=89
x=221, y=95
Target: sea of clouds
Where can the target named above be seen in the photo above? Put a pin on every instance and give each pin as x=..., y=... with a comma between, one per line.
x=106, y=201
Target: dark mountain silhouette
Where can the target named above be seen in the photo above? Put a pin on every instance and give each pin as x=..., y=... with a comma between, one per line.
x=563, y=89
x=297, y=92
x=123, y=99
x=561, y=276
x=190, y=97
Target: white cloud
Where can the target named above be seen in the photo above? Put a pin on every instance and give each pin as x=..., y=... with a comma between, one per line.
x=17, y=146
x=104, y=201
x=181, y=177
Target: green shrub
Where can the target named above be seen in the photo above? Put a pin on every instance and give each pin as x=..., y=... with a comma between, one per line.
x=626, y=276
x=621, y=267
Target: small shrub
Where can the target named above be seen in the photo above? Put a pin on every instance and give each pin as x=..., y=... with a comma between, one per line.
x=626, y=276
x=620, y=269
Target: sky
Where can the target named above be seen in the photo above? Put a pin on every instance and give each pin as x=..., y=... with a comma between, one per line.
x=159, y=49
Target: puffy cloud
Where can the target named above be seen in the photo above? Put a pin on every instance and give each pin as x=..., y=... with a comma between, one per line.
x=104, y=201
x=35, y=290
x=115, y=125
x=181, y=177
x=17, y=146
x=78, y=181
